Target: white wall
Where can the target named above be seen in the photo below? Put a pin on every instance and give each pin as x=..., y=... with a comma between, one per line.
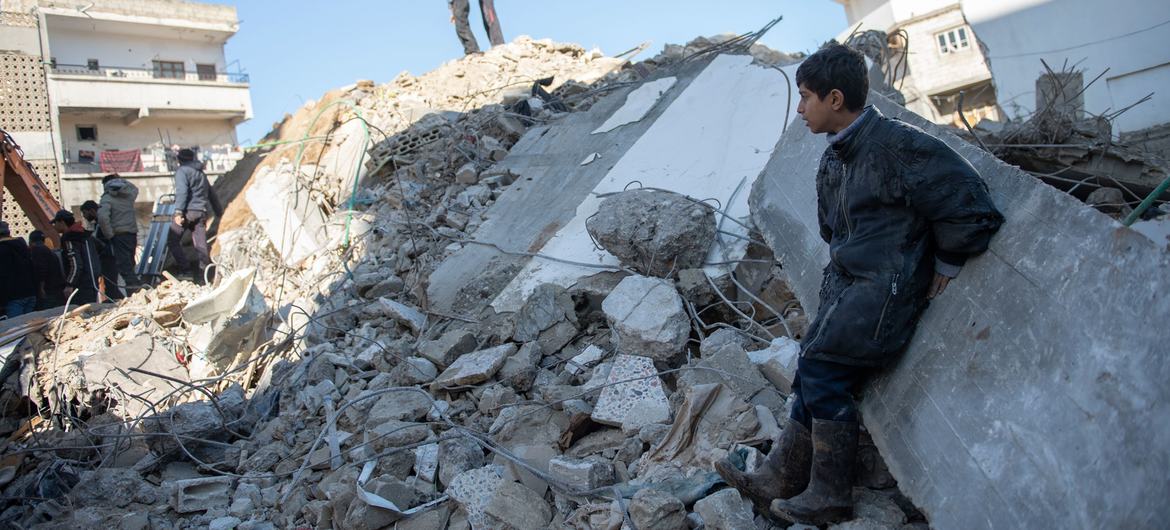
x=70, y=46
x=113, y=133
x=1094, y=33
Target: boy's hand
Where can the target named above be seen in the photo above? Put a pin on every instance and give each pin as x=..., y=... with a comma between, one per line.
x=937, y=286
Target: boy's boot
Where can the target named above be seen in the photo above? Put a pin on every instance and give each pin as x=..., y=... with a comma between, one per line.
x=783, y=474
x=829, y=497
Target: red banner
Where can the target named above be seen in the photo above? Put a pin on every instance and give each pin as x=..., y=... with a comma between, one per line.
x=121, y=161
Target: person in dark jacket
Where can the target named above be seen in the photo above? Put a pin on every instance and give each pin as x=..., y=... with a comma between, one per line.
x=105, y=251
x=79, y=258
x=460, y=9
x=901, y=212
x=118, y=224
x=18, y=293
x=50, y=281
x=192, y=202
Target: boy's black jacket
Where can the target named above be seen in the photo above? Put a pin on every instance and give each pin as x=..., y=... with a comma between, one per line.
x=890, y=199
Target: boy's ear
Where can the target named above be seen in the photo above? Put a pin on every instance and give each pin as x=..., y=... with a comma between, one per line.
x=836, y=99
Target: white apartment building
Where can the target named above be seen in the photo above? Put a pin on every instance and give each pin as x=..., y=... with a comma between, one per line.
x=992, y=50
x=124, y=83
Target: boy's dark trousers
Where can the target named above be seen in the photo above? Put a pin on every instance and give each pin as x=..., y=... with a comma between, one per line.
x=824, y=390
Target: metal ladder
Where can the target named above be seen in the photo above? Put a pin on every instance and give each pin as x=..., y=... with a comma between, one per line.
x=154, y=249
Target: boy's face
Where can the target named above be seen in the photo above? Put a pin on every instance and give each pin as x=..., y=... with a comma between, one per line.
x=820, y=115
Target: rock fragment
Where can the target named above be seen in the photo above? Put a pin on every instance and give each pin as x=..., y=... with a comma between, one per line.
x=473, y=368
x=638, y=401
x=654, y=232
x=725, y=509
x=647, y=318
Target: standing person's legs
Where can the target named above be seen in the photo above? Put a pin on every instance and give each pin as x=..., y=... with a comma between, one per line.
x=491, y=23
x=460, y=10
x=109, y=270
x=175, y=246
x=125, y=246
x=824, y=398
x=198, y=222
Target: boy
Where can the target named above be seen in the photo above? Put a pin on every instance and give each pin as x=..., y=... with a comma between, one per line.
x=901, y=213
x=79, y=257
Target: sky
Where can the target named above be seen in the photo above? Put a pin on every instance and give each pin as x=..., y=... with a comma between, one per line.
x=296, y=50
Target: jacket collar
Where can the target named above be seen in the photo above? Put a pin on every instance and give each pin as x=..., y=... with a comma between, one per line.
x=852, y=137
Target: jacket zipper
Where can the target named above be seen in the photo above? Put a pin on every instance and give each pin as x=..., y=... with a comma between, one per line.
x=882, y=317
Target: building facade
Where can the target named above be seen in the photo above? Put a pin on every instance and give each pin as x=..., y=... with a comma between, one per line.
x=995, y=51
x=125, y=83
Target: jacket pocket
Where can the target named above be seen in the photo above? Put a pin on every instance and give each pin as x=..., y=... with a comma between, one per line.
x=877, y=330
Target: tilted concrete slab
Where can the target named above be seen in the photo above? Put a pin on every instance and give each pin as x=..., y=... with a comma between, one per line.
x=550, y=184
x=1034, y=393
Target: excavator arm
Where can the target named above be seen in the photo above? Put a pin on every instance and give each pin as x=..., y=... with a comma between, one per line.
x=27, y=188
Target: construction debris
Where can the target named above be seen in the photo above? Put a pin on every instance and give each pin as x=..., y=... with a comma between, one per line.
x=316, y=385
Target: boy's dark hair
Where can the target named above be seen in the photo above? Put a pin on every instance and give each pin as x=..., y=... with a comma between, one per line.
x=836, y=66
x=89, y=205
x=186, y=155
x=36, y=236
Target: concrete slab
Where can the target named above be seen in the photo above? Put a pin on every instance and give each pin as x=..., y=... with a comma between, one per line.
x=550, y=183
x=708, y=143
x=1033, y=393
x=638, y=103
x=293, y=222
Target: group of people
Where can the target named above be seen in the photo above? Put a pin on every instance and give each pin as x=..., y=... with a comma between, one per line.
x=95, y=251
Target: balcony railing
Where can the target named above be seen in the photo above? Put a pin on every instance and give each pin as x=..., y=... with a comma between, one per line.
x=134, y=72
x=216, y=159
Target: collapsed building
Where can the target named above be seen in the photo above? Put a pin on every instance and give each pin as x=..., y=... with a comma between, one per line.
x=543, y=287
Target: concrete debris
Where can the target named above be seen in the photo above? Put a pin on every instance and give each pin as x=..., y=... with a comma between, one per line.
x=726, y=509
x=475, y=367
x=778, y=362
x=647, y=318
x=654, y=232
x=318, y=383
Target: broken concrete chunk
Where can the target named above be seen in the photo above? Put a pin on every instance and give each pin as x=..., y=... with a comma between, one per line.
x=473, y=490
x=448, y=347
x=467, y=174
x=638, y=401
x=408, y=316
x=868, y=504
x=581, y=474
x=730, y=365
x=473, y=368
x=401, y=406
x=521, y=367
x=720, y=338
x=654, y=232
x=226, y=522
x=394, y=433
x=588, y=357
x=414, y=371
x=426, y=462
x=515, y=507
x=200, y=494
x=548, y=305
x=494, y=398
x=457, y=455
x=725, y=509
x=647, y=318
x=652, y=509
x=777, y=362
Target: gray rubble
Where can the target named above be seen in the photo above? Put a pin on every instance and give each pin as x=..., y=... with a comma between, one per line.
x=654, y=232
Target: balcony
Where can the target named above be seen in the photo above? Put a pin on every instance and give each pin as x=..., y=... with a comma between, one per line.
x=140, y=93
x=138, y=73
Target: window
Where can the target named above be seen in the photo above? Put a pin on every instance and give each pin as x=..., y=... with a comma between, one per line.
x=206, y=72
x=953, y=40
x=91, y=64
x=87, y=133
x=169, y=70
x=85, y=156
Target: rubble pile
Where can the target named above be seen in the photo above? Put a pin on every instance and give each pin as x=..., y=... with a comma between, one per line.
x=312, y=386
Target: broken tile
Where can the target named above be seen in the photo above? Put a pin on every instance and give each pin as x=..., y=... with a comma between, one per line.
x=635, y=403
x=647, y=317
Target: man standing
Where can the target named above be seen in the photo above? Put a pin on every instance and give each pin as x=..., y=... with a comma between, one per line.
x=901, y=212
x=50, y=282
x=460, y=9
x=17, y=283
x=79, y=257
x=192, y=200
x=118, y=225
x=105, y=250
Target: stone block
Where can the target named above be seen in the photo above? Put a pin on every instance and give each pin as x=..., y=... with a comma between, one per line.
x=727, y=510
x=473, y=368
x=408, y=316
x=473, y=490
x=426, y=462
x=200, y=494
x=637, y=402
x=777, y=362
x=520, y=368
x=514, y=506
x=653, y=509
x=448, y=347
x=647, y=318
x=654, y=232
x=581, y=474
